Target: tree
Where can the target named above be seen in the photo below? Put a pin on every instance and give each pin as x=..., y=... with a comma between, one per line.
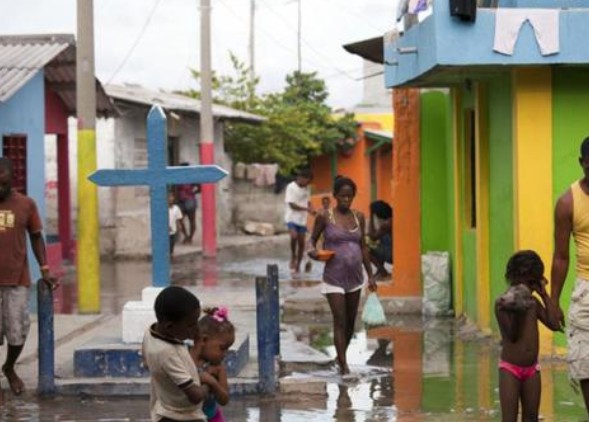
x=299, y=124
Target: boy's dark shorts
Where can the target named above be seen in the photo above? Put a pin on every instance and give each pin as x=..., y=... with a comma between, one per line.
x=297, y=227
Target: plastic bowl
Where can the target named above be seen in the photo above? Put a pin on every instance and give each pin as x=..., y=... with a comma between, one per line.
x=325, y=255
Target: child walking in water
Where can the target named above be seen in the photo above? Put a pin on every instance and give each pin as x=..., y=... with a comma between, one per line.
x=216, y=336
x=517, y=313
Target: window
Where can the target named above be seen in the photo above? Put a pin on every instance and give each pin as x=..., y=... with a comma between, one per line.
x=14, y=147
x=470, y=172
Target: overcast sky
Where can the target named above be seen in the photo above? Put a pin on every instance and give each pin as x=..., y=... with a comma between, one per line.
x=165, y=34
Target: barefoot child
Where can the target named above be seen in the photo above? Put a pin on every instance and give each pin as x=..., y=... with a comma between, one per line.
x=176, y=390
x=517, y=313
x=175, y=224
x=216, y=336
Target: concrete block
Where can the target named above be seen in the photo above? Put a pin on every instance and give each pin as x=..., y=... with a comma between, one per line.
x=260, y=229
x=112, y=360
x=408, y=305
x=303, y=385
x=119, y=360
x=148, y=295
x=137, y=316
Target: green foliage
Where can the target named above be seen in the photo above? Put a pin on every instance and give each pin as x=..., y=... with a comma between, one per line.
x=299, y=124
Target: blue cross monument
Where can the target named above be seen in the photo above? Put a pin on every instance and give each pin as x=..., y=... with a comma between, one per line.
x=158, y=175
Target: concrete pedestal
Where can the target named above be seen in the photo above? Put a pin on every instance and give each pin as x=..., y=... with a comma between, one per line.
x=138, y=315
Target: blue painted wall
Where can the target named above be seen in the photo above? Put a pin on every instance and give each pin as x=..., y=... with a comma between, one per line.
x=442, y=40
x=25, y=113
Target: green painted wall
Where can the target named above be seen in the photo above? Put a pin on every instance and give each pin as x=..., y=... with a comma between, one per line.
x=469, y=247
x=435, y=174
x=570, y=125
x=501, y=211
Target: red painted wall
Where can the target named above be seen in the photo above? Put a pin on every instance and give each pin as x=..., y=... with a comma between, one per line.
x=55, y=113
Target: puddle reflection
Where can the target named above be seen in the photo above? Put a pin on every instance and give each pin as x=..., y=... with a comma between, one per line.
x=436, y=376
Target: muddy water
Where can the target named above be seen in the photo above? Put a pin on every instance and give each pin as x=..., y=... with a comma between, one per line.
x=425, y=371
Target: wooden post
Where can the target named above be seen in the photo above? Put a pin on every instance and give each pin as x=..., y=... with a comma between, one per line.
x=46, y=339
x=266, y=347
x=274, y=298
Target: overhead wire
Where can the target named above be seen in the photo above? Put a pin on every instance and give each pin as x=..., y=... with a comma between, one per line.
x=136, y=42
x=308, y=44
x=275, y=41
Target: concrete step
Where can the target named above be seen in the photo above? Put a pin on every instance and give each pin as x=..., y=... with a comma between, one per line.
x=106, y=386
x=117, y=359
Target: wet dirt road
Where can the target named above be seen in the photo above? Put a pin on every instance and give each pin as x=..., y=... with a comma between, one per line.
x=432, y=371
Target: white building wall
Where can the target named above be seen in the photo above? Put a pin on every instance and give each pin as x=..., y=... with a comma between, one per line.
x=124, y=211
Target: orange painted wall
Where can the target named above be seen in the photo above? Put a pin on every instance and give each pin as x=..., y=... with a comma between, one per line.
x=321, y=168
x=357, y=167
x=406, y=188
x=385, y=175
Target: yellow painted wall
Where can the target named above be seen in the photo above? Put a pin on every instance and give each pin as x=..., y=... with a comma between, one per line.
x=532, y=125
x=385, y=120
x=482, y=212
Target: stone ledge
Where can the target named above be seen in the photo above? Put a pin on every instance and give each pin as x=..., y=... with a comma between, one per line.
x=139, y=387
x=118, y=360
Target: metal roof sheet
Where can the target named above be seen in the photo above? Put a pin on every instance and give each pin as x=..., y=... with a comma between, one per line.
x=22, y=56
x=131, y=93
x=382, y=134
x=371, y=49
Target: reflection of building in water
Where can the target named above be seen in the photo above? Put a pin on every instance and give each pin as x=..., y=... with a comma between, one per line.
x=437, y=347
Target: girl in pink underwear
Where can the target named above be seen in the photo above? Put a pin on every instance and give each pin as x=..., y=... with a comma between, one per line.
x=517, y=312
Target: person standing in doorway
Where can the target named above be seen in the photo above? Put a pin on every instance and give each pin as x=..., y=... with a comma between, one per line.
x=297, y=207
x=18, y=216
x=380, y=233
x=188, y=202
x=571, y=217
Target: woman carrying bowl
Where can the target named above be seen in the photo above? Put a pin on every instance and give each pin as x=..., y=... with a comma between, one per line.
x=343, y=234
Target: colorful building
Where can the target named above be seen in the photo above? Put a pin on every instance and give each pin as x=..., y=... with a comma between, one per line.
x=484, y=159
x=37, y=96
x=368, y=163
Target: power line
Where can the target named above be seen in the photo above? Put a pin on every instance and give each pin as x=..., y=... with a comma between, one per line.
x=355, y=16
x=308, y=44
x=137, y=40
x=275, y=41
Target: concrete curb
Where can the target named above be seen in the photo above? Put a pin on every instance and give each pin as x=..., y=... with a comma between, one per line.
x=183, y=252
x=140, y=387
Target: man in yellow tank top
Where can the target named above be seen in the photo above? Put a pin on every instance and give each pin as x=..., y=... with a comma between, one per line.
x=571, y=217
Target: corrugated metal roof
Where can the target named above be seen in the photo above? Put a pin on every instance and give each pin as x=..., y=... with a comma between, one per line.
x=385, y=135
x=22, y=56
x=136, y=94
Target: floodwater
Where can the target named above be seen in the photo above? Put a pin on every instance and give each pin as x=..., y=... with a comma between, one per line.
x=411, y=370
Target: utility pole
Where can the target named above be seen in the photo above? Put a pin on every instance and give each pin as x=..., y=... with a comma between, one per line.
x=299, y=25
x=252, y=50
x=207, y=146
x=88, y=263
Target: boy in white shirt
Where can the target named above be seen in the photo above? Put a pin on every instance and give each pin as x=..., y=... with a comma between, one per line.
x=177, y=389
x=297, y=203
x=174, y=220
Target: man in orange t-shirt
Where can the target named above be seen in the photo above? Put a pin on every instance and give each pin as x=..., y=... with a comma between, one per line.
x=18, y=216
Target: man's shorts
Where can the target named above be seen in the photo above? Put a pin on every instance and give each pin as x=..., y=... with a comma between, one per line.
x=578, y=331
x=297, y=227
x=14, y=314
